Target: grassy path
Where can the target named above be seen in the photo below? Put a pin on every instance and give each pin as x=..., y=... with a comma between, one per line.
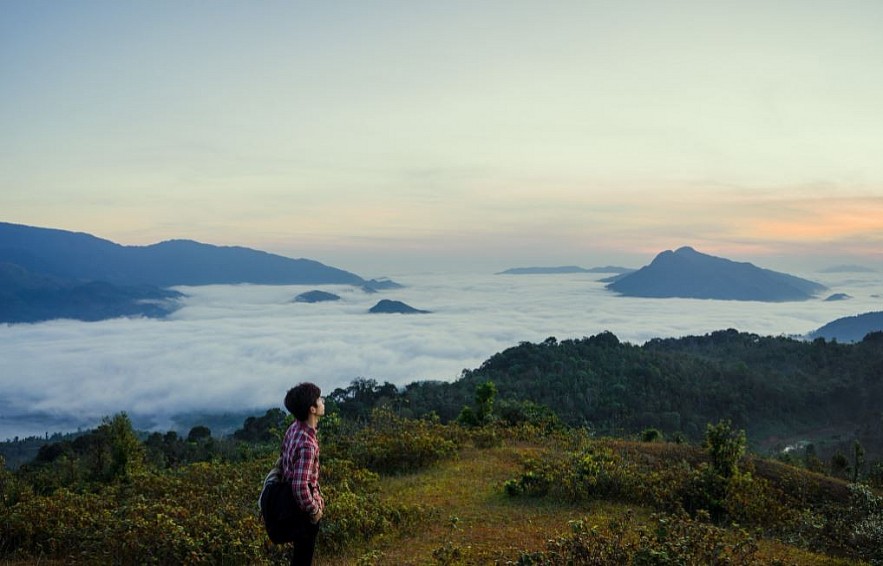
x=473, y=517
x=474, y=522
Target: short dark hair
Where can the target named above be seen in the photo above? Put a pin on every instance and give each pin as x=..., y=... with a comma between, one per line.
x=300, y=398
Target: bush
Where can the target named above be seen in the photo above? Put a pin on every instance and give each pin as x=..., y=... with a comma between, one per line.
x=355, y=517
x=651, y=435
x=668, y=540
x=392, y=445
x=204, y=513
x=865, y=523
x=660, y=477
x=515, y=413
x=485, y=437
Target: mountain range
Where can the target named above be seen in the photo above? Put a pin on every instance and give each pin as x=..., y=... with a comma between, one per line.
x=686, y=273
x=174, y=262
x=48, y=273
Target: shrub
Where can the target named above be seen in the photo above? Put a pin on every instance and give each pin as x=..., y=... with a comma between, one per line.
x=866, y=523
x=203, y=513
x=596, y=473
x=668, y=540
x=651, y=435
x=530, y=483
x=515, y=413
x=485, y=437
x=392, y=445
x=355, y=517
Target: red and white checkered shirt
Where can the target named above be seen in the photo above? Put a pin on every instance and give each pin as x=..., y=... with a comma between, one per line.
x=300, y=464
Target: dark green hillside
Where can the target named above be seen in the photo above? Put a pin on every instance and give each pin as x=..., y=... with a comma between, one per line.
x=778, y=389
x=506, y=480
x=415, y=491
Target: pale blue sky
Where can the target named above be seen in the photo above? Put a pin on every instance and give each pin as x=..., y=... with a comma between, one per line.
x=377, y=136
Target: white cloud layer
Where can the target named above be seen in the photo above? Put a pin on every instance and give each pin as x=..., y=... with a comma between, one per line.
x=234, y=348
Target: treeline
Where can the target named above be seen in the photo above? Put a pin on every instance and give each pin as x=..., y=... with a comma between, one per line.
x=778, y=389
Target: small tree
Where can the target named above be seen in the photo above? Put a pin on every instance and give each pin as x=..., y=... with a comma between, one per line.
x=484, y=406
x=199, y=433
x=126, y=451
x=484, y=399
x=840, y=465
x=725, y=447
x=858, y=460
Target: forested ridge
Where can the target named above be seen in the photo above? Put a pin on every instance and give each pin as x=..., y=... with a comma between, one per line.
x=778, y=389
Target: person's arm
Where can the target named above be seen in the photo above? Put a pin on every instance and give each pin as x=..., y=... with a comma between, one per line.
x=305, y=461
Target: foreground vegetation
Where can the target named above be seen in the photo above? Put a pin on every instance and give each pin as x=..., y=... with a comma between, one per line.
x=583, y=451
x=479, y=490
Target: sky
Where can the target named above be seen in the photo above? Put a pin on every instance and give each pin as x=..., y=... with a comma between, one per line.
x=387, y=136
x=238, y=348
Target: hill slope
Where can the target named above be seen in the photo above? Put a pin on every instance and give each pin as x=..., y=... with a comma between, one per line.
x=850, y=328
x=480, y=524
x=31, y=297
x=174, y=262
x=687, y=273
x=48, y=274
x=779, y=390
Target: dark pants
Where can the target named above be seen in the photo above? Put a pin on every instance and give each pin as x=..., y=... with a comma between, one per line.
x=304, y=542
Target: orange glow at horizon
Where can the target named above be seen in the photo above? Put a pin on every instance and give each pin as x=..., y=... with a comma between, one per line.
x=823, y=220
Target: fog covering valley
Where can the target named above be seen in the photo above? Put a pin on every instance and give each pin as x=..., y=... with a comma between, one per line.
x=239, y=348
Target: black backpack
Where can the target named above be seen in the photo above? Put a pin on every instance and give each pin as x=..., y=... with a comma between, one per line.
x=280, y=512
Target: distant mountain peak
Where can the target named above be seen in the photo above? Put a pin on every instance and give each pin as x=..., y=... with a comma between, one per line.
x=387, y=306
x=316, y=296
x=687, y=273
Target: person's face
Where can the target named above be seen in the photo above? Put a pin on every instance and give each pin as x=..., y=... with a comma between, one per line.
x=319, y=406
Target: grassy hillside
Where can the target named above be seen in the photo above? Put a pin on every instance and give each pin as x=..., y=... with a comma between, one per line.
x=532, y=458
x=475, y=522
x=406, y=491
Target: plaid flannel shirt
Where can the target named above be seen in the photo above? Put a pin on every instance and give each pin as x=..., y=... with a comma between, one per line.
x=300, y=464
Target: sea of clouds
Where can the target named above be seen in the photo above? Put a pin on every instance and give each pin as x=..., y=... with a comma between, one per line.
x=239, y=348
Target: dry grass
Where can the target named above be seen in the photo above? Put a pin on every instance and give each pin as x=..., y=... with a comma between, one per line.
x=473, y=517
x=472, y=514
x=489, y=525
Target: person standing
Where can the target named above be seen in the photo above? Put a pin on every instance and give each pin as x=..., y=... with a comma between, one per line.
x=300, y=465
